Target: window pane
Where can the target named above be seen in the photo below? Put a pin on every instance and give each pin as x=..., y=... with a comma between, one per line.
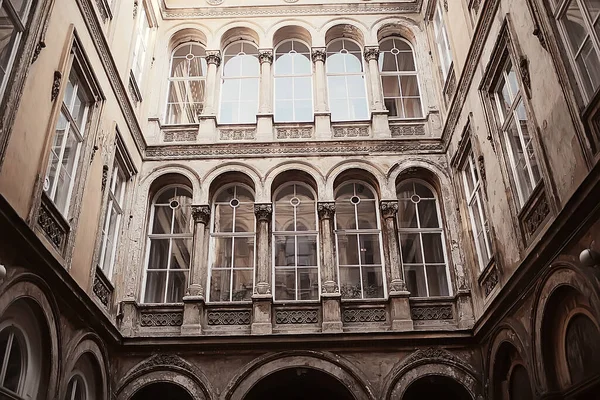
x=177, y=286
x=344, y=215
x=356, y=86
x=163, y=216
x=406, y=62
x=308, y=284
x=589, y=65
x=414, y=276
x=285, y=284
x=372, y=282
x=336, y=85
x=155, y=286
x=8, y=35
x=220, y=282
x=284, y=216
x=285, y=251
x=307, y=251
x=348, y=249
x=302, y=64
x=231, y=89
x=249, y=90
x=180, y=253
x=223, y=218
x=437, y=280
x=305, y=216
x=367, y=215
x=283, y=89
x=303, y=110
x=242, y=285
x=244, y=218
x=411, y=248
x=369, y=249
x=14, y=366
x=573, y=22
x=359, y=110
x=350, y=284
x=335, y=63
x=428, y=214
x=302, y=88
x=407, y=214
x=284, y=110
x=159, y=253
x=412, y=108
x=244, y=252
x=432, y=248
x=222, y=252
x=520, y=172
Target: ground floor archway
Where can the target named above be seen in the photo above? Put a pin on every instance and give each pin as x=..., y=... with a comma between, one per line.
x=436, y=387
x=162, y=391
x=299, y=384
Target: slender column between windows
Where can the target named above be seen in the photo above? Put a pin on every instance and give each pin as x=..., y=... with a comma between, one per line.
x=263, y=214
x=213, y=59
x=198, y=273
x=318, y=57
x=266, y=60
x=389, y=210
x=371, y=55
x=327, y=237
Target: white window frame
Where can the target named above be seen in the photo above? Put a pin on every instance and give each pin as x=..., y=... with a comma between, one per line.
x=474, y=199
x=212, y=248
x=442, y=40
x=399, y=74
x=295, y=233
x=358, y=232
x=16, y=333
x=142, y=35
x=19, y=23
x=79, y=377
x=292, y=76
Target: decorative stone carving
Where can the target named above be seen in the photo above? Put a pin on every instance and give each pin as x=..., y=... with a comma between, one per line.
x=104, y=177
x=136, y=5
x=55, y=85
x=490, y=281
x=133, y=92
x=263, y=212
x=371, y=53
x=38, y=49
x=431, y=313
x=161, y=319
x=482, y=174
x=350, y=131
x=318, y=54
x=407, y=130
x=213, y=57
x=329, y=287
x=214, y=2
x=51, y=226
x=294, y=133
x=356, y=315
x=104, y=9
x=102, y=290
x=536, y=215
x=326, y=210
x=388, y=208
x=450, y=86
x=180, y=136
x=265, y=56
x=161, y=360
x=397, y=285
x=201, y=214
x=431, y=353
x=229, y=318
x=237, y=134
x=525, y=77
x=293, y=317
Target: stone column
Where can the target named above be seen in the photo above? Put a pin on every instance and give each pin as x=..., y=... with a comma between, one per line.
x=330, y=292
x=399, y=296
x=262, y=298
x=193, y=301
x=380, y=123
x=265, y=107
x=322, y=114
x=208, y=120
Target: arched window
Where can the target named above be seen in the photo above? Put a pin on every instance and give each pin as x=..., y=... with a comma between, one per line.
x=169, y=246
x=13, y=353
x=358, y=239
x=187, y=83
x=293, y=82
x=77, y=388
x=582, y=348
x=241, y=77
x=519, y=386
x=399, y=79
x=232, y=245
x=346, y=81
x=422, y=240
x=295, y=240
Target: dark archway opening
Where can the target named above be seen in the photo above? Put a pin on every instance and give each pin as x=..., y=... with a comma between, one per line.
x=162, y=391
x=436, y=387
x=299, y=384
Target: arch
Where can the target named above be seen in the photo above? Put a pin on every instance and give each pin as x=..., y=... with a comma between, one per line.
x=228, y=172
x=188, y=177
x=427, y=362
x=290, y=29
x=507, y=360
x=32, y=289
x=436, y=386
x=88, y=345
x=282, y=171
x=358, y=169
x=241, y=30
x=344, y=28
x=396, y=26
x=165, y=368
x=185, y=35
x=333, y=365
x=435, y=174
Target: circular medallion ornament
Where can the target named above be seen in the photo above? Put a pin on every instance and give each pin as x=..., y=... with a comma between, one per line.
x=214, y=2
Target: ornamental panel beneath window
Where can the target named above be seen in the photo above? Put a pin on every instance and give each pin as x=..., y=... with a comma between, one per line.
x=359, y=315
x=159, y=319
x=431, y=313
x=52, y=224
x=399, y=131
x=535, y=213
x=229, y=318
x=102, y=288
x=297, y=317
x=180, y=136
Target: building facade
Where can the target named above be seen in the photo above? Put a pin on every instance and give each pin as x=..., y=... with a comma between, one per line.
x=361, y=199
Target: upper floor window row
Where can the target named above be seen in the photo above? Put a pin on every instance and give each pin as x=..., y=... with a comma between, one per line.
x=296, y=82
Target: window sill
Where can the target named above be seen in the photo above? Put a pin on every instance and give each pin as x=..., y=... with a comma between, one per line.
x=53, y=224
x=134, y=89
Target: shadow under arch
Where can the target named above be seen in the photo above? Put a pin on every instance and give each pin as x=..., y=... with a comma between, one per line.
x=357, y=170
x=291, y=30
x=242, y=384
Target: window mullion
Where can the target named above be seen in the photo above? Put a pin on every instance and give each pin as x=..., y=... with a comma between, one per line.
x=526, y=158
x=232, y=269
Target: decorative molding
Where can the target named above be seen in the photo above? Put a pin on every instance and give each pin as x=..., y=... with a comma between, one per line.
x=151, y=318
x=388, y=208
x=431, y=313
x=294, y=132
x=229, y=318
x=237, y=134
x=490, y=280
x=136, y=5
x=318, y=54
x=326, y=210
x=482, y=173
x=358, y=315
x=160, y=360
x=263, y=212
x=297, y=317
x=407, y=130
x=525, y=76
x=134, y=90
x=55, y=85
x=535, y=213
x=371, y=53
x=102, y=288
x=431, y=353
x=104, y=177
x=38, y=49
x=350, y=131
x=180, y=136
x=537, y=27
x=450, y=85
x=201, y=214
x=104, y=10
x=213, y=57
x=214, y=2
x=52, y=224
x=265, y=56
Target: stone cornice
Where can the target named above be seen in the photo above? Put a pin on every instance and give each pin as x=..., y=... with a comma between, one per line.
x=289, y=9
x=294, y=149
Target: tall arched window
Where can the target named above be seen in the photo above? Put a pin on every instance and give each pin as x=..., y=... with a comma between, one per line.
x=77, y=388
x=399, y=79
x=232, y=245
x=293, y=82
x=187, y=82
x=346, y=81
x=422, y=240
x=358, y=239
x=295, y=239
x=169, y=246
x=582, y=349
x=13, y=353
x=241, y=77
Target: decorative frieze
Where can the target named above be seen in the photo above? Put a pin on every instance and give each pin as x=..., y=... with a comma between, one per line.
x=294, y=133
x=103, y=9
x=229, y=318
x=490, y=281
x=284, y=317
x=180, y=136
x=201, y=214
x=237, y=134
x=450, y=86
x=151, y=318
x=101, y=289
x=350, y=131
x=51, y=224
x=431, y=313
x=357, y=315
x=407, y=130
x=535, y=214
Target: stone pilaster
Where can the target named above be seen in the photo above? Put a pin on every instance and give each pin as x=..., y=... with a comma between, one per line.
x=262, y=298
x=330, y=293
x=208, y=119
x=399, y=304
x=378, y=111
x=322, y=114
x=264, y=126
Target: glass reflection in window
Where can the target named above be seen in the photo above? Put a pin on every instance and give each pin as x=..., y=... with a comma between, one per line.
x=293, y=82
x=240, y=84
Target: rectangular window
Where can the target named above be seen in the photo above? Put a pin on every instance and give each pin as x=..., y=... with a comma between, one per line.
x=477, y=214
x=516, y=139
x=442, y=41
x=70, y=133
x=13, y=22
x=141, y=46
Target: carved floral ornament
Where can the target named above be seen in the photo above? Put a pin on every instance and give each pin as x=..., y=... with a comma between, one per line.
x=326, y=210
x=371, y=53
x=263, y=212
x=213, y=57
x=318, y=54
x=389, y=208
x=265, y=56
x=201, y=214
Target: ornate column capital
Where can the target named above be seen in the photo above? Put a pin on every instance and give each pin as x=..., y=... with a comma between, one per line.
x=318, y=54
x=213, y=57
x=263, y=211
x=201, y=214
x=265, y=56
x=326, y=210
x=371, y=53
x=388, y=208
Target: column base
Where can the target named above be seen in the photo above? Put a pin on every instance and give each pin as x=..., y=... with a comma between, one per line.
x=400, y=310
x=261, y=314
x=332, y=313
x=193, y=311
x=208, y=124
